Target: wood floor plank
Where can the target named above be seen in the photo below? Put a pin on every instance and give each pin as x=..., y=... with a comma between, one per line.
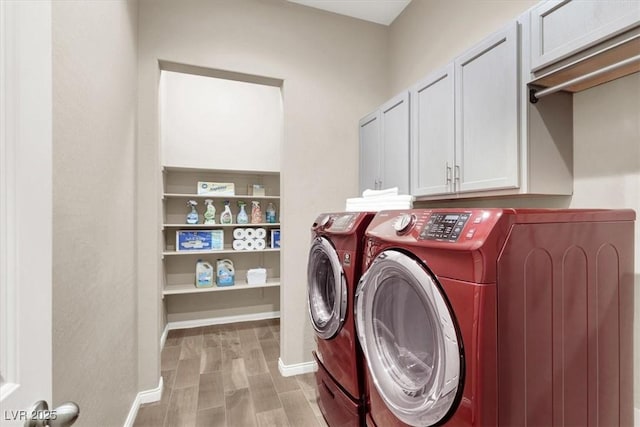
x=235, y=378
x=210, y=360
x=191, y=347
x=248, y=338
x=169, y=357
x=307, y=381
x=263, y=331
x=151, y=415
x=282, y=384
x=254, y=361
x=174, y=337
x=298, y=410
x=182, y=407
x=270, y=349
x=273, y=418
x=210, y=391
x=168, y=379
x=213, y=417
x=211, y=340
x=239, y=408
x=227, y=376
x=263, y=392
x=188, y=373
x=192, y=332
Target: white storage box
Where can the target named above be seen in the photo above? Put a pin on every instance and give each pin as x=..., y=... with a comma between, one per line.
x=204, y=240
x=216, y=188
x=257, y=276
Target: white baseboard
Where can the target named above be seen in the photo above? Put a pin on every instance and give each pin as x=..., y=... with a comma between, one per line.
x=296, y=369
x=636, y=421
x=183, y=324
x=146, y=396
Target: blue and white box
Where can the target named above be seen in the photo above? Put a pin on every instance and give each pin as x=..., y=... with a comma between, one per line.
x=201, y=240
x=275, y=239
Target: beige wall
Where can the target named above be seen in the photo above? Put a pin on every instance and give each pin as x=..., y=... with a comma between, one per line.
x=606, y=119
x=606, y=122
x=334, y=71
x=94, y=286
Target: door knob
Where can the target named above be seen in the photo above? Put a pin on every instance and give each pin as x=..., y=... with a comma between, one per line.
x=62, y=416
x=65, y=415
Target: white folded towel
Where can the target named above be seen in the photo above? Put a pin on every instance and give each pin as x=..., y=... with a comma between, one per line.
x=361, y=204
x=380, y=193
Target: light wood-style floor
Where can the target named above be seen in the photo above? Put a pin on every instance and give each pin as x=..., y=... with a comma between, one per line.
x=227, y=375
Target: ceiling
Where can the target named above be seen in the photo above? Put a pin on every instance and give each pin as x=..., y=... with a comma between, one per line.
x=378, y=11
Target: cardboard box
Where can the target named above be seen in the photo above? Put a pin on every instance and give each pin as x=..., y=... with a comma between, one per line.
x=216, y=188
x=275, y=239
x=255, y=190
x=201, y=240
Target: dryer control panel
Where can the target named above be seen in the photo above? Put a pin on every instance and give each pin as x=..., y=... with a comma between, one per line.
x=444, y=226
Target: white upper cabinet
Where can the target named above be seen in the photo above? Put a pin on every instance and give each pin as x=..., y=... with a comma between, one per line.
x=474, y=132
x=394, y=116
x=384, y=146
x=562, y=28
x=487, y=111
x=433, y=134
x=370, y=151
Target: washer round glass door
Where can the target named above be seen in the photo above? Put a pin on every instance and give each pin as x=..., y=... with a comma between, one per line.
x=410, y=339
x=327, y=289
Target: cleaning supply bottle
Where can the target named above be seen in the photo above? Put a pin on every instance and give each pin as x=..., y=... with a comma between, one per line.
x=204, y=274
x=256, y=212
x=225, y=273
x=271, y=213
x=226, y=217
x=242, y=217
x=192, y=216
x=210, y=212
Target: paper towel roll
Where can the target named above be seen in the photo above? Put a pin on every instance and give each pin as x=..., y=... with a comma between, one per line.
x=249, y=233
x=239, y=245
x=260, y=244
x=239, y=233
x=261, y=233
x=249, y=244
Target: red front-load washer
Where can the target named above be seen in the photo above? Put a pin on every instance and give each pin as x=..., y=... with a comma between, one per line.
x=333, y=272
x=486, y=317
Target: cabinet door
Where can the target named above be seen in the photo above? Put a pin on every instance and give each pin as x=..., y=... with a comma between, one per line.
x=394, y=116
x=487, y=111
x=433, y=134
x=370, y=151
x=560, y=29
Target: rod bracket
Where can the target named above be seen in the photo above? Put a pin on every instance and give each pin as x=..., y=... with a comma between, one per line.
x=532, y=95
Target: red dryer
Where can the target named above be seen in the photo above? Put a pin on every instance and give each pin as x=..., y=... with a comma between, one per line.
x=333, y=272
x=486, y=317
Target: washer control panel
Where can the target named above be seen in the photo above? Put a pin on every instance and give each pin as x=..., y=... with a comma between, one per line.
x=341, y=223
x=444, y=226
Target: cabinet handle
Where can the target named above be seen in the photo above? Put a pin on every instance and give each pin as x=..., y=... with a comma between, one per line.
x=448, y=173
x=456, y=177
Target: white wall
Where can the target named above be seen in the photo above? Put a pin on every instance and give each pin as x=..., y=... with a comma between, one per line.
x=215, y=123
x=334, y=70
x=95, y=360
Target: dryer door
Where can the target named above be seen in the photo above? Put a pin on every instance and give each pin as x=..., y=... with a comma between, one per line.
x=327, y=289
x=410, y=339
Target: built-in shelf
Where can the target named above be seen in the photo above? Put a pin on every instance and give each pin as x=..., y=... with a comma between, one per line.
x=210, y=196
x=199, y=226
x=190, y=288
x=223, y=251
